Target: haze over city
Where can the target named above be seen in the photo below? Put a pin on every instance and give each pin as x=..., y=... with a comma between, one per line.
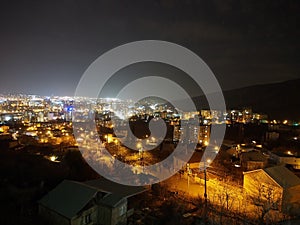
x=162, y=112
x=47, y=45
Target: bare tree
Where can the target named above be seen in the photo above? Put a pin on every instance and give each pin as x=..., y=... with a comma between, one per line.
x=225, y=201
x=266, y=198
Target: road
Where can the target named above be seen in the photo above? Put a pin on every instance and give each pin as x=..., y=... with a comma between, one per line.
x=225, y=194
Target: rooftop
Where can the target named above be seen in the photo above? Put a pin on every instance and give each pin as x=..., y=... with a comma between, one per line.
x=68, y=198
x=120, y=190
x=283, y=176
x=253, y=156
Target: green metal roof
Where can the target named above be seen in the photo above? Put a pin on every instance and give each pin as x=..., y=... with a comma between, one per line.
x=68, y=198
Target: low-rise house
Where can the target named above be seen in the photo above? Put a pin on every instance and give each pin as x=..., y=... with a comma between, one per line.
x=70, y=203
x=276, y=187
x=192, y=162
x=253, y=160
x=90, y=203
x=286, y=159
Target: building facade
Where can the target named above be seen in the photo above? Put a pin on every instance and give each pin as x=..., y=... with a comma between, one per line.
x=75, y=203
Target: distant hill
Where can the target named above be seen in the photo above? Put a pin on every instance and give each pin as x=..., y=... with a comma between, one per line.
x=278, y=100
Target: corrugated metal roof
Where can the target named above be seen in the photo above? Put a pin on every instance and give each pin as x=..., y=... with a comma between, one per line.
x=68, y=198
x=283, y=176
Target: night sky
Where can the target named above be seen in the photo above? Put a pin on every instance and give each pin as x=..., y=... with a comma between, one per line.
x=46, y=46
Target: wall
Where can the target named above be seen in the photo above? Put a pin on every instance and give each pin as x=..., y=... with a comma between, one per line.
x=291, y=201
x=80, y=220
x=253, y=165
x=111, y=215
x=262, y=189
x=117, y=217
x=104, y=215
x=291, y=160
x=52, y=218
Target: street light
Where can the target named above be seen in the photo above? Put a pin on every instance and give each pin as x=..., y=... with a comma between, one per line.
x=138, y=145
x=205, y=191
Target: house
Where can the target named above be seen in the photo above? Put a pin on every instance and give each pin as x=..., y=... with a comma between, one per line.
x=69, y=203
x=253, y=160
x=286, y=159
x=116, y=194
x=192, y=162
x=275, y=186
x=90, y=203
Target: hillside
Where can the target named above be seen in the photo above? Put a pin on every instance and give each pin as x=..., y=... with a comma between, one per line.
x=278, y=100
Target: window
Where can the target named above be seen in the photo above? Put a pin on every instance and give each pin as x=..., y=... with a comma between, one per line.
x=87, y=219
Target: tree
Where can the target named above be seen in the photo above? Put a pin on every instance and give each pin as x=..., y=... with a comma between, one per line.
x=266, y=197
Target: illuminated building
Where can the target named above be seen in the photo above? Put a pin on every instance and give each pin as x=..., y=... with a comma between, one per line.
x=276, y=187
